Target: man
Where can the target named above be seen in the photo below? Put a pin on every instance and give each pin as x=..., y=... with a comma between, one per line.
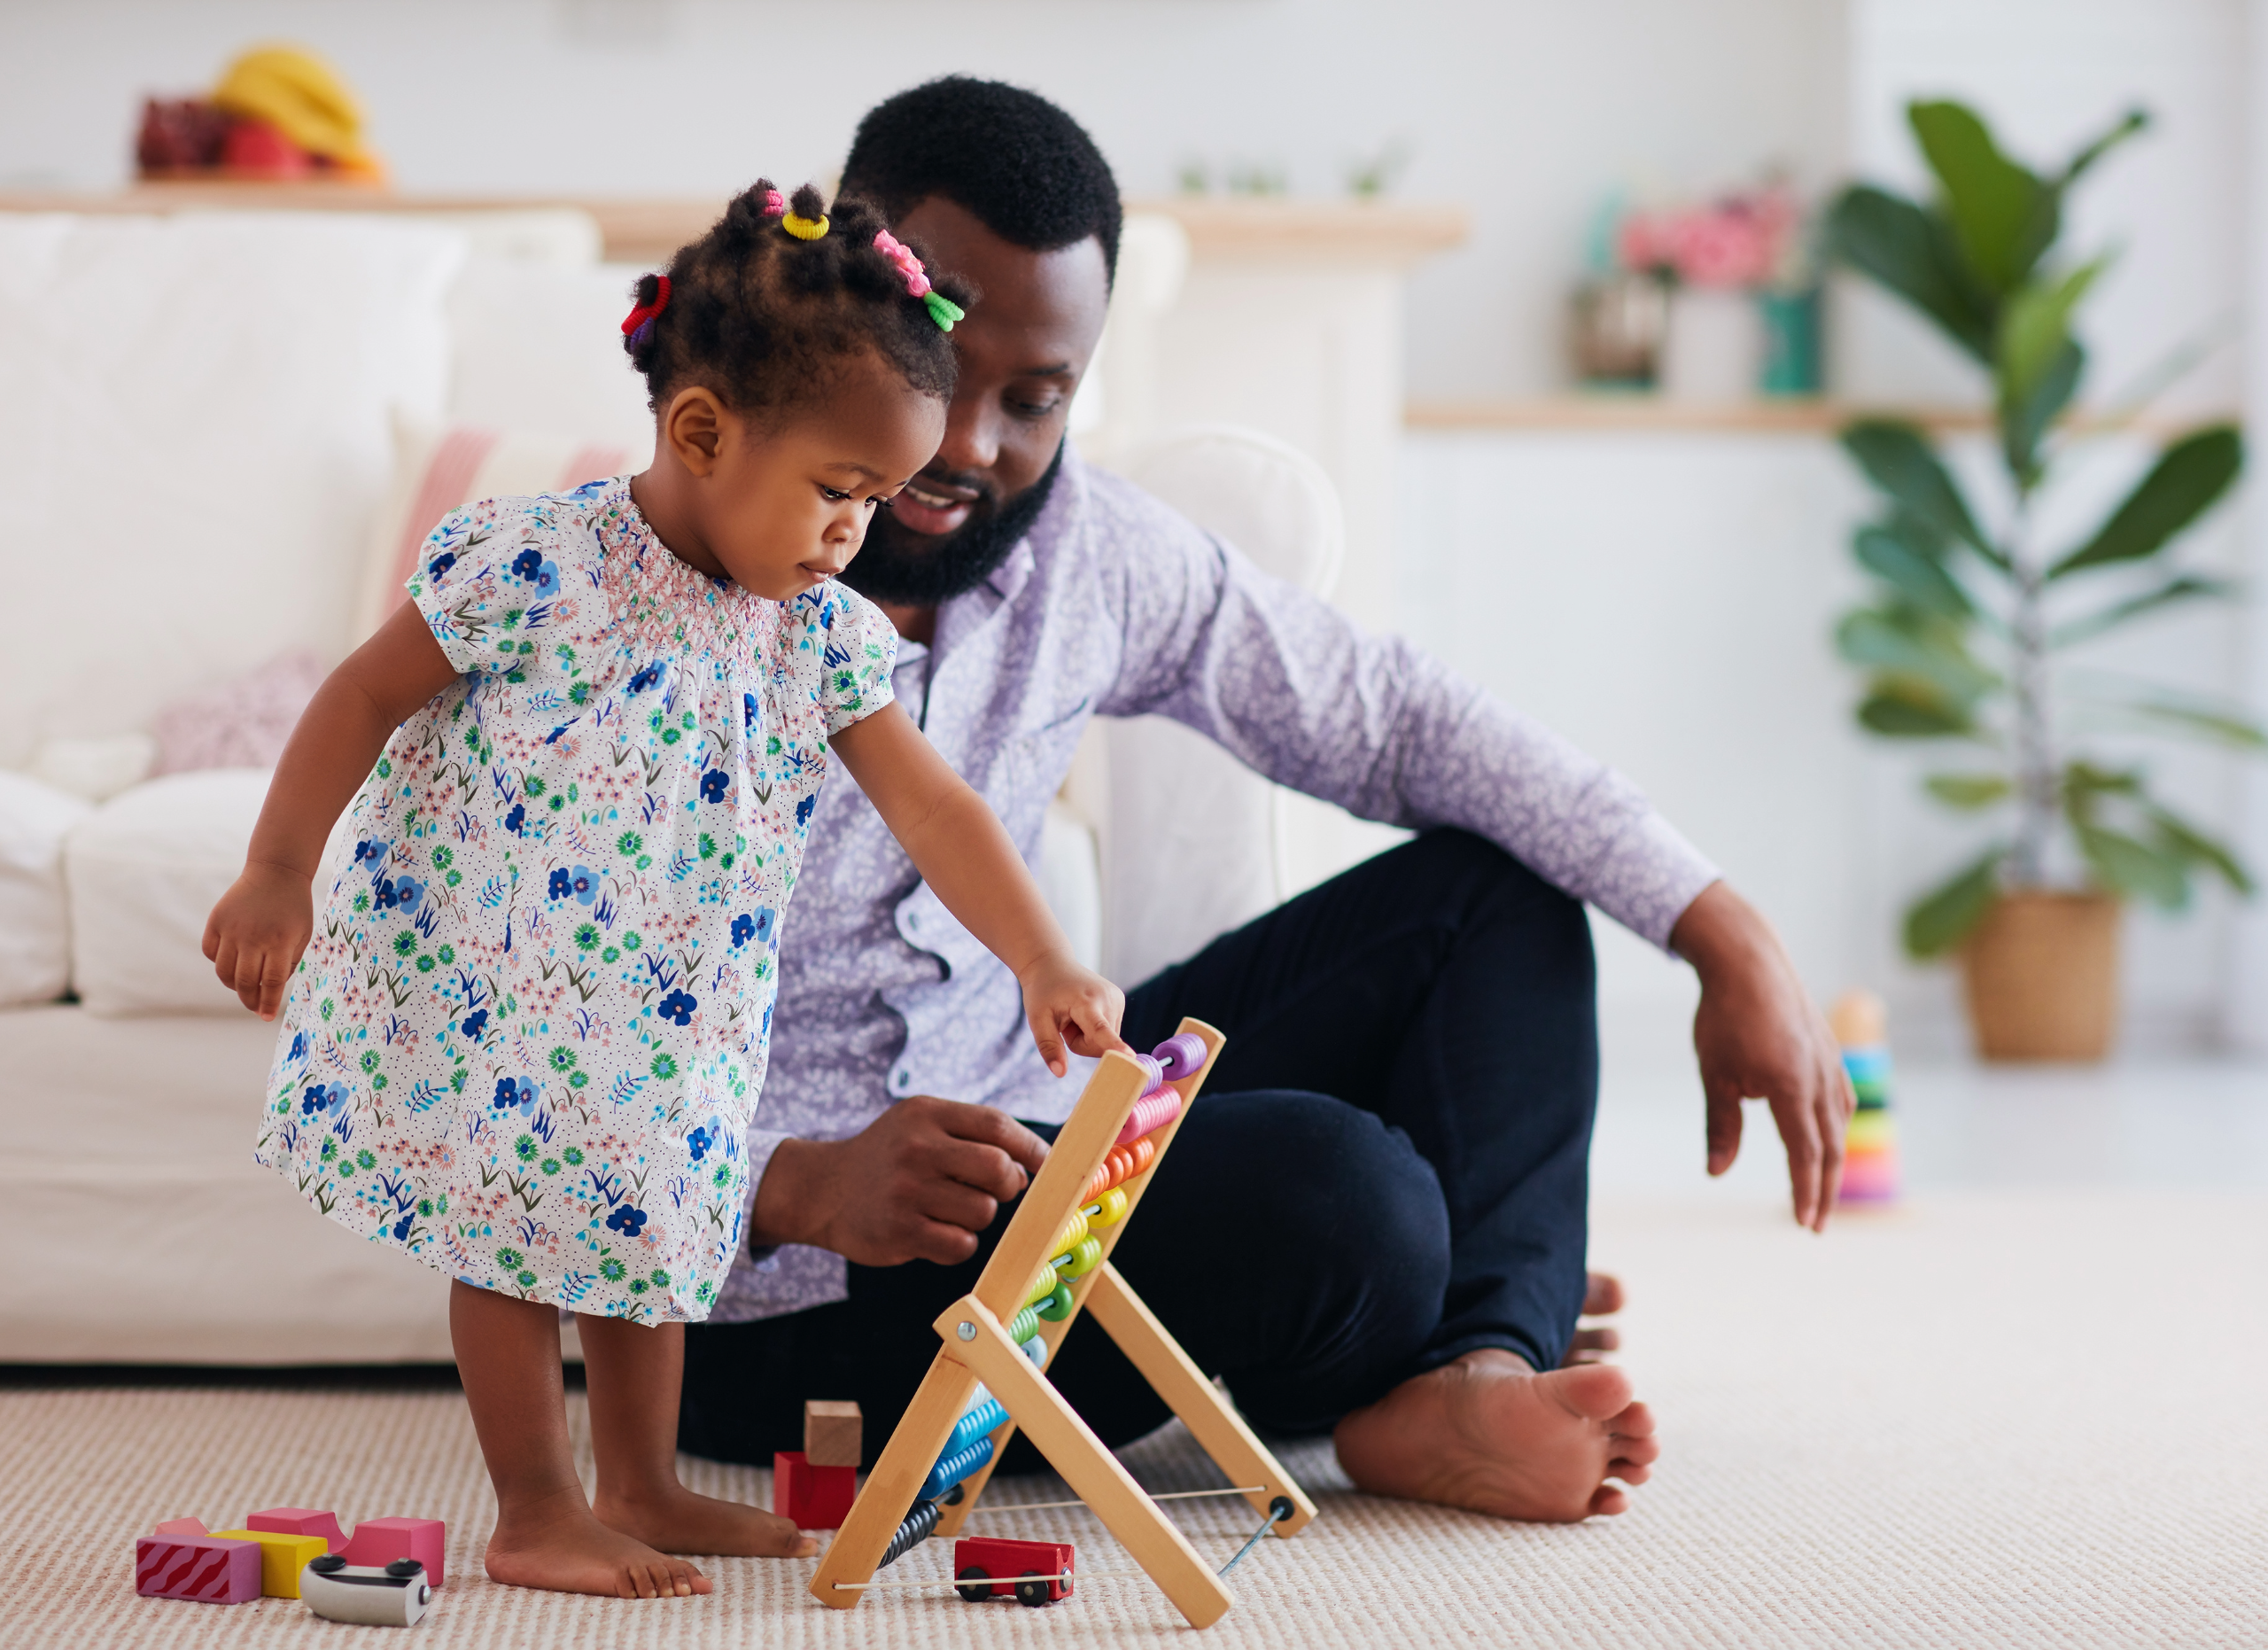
x=1374, y=1225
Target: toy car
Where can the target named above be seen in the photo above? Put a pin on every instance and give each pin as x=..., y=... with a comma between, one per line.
x=1034, y=1573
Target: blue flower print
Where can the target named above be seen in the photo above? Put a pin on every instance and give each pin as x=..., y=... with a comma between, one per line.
x=401, y=1228
x=749, y=713
x=517, y=818
x=767, y=926
x=322, y=1097
x=714, y=784
x=562, y=884
x=473, y=1024
x=697, y=1143
x=547, y=579
x=678, y=1007
x=370, y=854
x=385, y=894
x=645, y=677
x=407, y=890
x=527, y=564
x=744, y=927
x=514, y=1093
x=298, y=1048
x=440, y=565
x=626, y=1220
x=803, y=810
x=585, y=882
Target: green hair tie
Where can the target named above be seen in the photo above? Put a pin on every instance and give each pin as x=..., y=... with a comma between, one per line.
x=943, y=310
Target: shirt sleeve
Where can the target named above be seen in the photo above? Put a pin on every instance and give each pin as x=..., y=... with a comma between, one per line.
x=861, y=653
x=502, y=585
x=1298, y=692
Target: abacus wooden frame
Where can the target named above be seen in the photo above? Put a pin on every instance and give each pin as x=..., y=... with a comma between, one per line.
x=976, y=1347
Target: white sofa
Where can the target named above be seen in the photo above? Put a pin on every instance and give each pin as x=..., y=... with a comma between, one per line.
x=199, y=425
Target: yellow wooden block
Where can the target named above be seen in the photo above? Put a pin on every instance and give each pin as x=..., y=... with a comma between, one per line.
x=281, y=1558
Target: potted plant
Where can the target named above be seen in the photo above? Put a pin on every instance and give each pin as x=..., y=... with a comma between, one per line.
x=1974, y=617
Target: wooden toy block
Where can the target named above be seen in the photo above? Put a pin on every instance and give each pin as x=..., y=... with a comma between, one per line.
x=181, y=1526
x=378, y=1542
x=300, y=1520
x=833, y=1432
x=816, y=1498
x=281, y=1558
x=204, y=1567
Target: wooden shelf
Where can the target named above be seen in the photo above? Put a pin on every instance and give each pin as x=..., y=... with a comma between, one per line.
x=1391, y=234
x=1810, y=414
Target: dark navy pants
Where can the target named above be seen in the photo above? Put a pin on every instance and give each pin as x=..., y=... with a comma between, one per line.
x=1387, y=1168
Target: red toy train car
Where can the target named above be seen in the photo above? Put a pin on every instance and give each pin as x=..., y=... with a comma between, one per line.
x=1034, y=1573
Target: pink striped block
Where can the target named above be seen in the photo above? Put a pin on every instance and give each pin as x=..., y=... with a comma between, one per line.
x=203, y=1567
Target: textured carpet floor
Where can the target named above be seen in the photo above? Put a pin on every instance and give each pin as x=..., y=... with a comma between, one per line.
x=2003, y=1419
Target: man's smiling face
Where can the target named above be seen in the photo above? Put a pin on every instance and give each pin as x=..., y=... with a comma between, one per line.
x=1025, y=346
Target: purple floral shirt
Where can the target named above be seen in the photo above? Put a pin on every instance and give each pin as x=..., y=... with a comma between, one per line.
x=1116, y=606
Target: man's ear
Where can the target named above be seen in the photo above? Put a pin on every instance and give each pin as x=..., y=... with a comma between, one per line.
x=693, y=428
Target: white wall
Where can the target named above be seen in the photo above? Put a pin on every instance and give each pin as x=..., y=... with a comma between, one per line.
x=1529, y=110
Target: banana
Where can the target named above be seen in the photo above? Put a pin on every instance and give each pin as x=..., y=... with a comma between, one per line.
x=298, y=94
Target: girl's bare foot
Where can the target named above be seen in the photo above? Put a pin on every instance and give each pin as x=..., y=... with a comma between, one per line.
x=675, y=1520
x=561, y=1547
x=1488, y=1433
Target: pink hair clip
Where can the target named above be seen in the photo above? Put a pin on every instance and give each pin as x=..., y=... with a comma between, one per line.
x=917, y=280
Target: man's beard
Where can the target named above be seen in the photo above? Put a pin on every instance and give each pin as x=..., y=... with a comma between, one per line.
x=923, y=570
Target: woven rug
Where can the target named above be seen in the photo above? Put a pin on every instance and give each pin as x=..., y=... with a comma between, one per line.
x=2004, y=1419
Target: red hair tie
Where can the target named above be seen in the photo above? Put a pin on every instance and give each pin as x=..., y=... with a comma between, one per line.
x=638, y=326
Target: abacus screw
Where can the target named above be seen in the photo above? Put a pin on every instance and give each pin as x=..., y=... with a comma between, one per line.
x=966, y=1331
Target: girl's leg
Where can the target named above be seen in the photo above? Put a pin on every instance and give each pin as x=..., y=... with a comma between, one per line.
x=507, y=1354
x=634, y=1372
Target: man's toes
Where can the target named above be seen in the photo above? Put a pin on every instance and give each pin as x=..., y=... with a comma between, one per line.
x=1602, y=1294
x=1607, y=1502
x=1594, y=1391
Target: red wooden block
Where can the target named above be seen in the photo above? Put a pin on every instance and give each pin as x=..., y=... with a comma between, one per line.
x=300, y=1520
x=816, y=1498
x=987, y=1567
x=379, y=1541
x=197, y=1567
x=182, y=1527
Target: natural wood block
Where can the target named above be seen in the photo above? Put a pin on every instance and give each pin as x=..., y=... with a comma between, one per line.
x=833, y=1432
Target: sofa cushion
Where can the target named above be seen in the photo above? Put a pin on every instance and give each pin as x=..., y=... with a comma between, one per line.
x=143, y=871
x=34, y=940
x=194, y=437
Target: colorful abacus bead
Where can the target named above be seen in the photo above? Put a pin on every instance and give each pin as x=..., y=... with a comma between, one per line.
x=952, y=1469
x=984, y=1414
x=1107, y=1210
x=1180, y=1055
x=1057, y=1306
x=1085, y=1256
x=1151, y=1113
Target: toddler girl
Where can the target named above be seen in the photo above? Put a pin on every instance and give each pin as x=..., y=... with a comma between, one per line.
x=527, y=1041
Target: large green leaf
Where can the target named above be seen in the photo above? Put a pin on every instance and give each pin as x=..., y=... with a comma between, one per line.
x=1897, y=459
x=1907, y=642
x=1922, y=579
x=2025, y=421
x=2219, y=726
x=2083, y=781
x=2127, y=124
x=1942, y=918
x=1970, y=790
x=1894, y=242
x=2127, y=866
x=2185, y=588
x=2035, y=327
x=2005, y=216
x=2186, y=481
x=1901, y=708
x=2177, y=836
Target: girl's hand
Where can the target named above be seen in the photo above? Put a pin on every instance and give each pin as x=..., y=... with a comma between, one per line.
x=1069, y=1004
x=256, y=935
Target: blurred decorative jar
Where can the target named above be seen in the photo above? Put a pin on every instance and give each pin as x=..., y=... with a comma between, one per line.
x=1714, y=352
x=1620, y=320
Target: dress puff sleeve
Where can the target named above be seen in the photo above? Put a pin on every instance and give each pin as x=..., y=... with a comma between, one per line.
x=506, y=587
x=861, y=652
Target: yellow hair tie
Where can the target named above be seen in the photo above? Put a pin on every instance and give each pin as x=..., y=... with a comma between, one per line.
x=804, y=228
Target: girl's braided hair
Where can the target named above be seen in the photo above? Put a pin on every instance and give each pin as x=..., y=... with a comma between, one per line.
x=766, y=318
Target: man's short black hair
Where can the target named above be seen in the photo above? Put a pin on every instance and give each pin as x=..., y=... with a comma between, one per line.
x=1026, y=170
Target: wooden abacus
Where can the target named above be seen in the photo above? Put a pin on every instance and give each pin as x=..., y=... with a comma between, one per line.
x=1052, y=1261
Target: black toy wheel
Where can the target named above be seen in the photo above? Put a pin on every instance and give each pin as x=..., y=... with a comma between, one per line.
x=1032, y=1592
x=974, y=1585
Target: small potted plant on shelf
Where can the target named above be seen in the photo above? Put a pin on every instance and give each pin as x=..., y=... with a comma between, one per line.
x=1974, y=616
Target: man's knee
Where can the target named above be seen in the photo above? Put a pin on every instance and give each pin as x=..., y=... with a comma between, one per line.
x=1477, y=878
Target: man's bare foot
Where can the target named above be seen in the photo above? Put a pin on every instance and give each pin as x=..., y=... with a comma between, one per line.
x=561, y=1547
x=1602, y=1294
x=1488, y=1433
x=678, y=1521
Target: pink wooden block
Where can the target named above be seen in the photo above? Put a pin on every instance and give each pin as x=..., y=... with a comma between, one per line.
x=300, y=1520
x=197, y=1567
x=379, y=1541
x=182, y=1527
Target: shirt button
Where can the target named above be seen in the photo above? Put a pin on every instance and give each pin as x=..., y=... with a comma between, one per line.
x=903, y=1080
x=914, y=921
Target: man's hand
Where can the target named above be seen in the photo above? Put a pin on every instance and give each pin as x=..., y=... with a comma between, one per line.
x=1760, y=1037
x=917, y=1183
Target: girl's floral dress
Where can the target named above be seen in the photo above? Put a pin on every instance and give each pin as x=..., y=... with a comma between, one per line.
x=527, y=1041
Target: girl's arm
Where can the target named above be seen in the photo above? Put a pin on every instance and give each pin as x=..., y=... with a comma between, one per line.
x=961, y=851
x=256, y=935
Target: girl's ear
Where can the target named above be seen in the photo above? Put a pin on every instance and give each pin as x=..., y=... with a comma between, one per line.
x=692, y=429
